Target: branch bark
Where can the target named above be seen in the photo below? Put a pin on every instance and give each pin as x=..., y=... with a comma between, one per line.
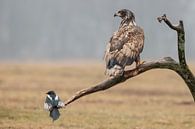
x=184, y=71
x=181, y=67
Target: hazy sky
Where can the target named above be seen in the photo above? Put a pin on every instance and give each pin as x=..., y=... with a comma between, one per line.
x=80, y=29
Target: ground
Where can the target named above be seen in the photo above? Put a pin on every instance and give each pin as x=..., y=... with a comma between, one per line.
x=157, y=99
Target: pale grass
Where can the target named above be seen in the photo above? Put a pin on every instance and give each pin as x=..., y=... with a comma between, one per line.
x=157, y=99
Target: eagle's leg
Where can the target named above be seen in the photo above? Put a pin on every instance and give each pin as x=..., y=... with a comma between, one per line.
x=138, y=61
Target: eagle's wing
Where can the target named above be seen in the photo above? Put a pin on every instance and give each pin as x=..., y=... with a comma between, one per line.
x=124, y=47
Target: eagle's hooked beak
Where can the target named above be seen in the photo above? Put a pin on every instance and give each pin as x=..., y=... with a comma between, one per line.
x=117, y=14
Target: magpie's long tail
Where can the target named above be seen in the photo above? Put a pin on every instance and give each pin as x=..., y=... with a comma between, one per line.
x=55, y=114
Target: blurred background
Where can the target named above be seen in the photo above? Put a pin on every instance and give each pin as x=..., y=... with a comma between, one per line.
x=47, y=30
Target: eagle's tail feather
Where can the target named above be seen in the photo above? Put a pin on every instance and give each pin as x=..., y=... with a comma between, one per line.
x=115, y=71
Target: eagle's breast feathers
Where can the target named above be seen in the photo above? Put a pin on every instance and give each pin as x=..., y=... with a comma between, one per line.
x=124, y=46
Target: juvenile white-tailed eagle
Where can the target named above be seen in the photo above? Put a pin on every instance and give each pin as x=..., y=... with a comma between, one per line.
x=125, y=45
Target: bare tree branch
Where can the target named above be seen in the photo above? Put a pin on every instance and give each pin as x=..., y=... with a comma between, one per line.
x=174, y=27
x=180, y=68
x=165, y=63
x=184, y=70
x=181, y=38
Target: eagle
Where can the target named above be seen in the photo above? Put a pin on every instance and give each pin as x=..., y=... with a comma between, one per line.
x=125, y=45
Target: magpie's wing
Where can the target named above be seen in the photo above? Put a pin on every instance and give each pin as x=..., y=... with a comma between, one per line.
x=48, y=100
x=48, y=104
x=61, y=104
x=58, y=102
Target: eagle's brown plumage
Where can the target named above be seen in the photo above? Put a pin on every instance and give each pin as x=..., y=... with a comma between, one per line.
x=125, y=45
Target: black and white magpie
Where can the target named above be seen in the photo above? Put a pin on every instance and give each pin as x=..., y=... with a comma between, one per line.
x=52, y=104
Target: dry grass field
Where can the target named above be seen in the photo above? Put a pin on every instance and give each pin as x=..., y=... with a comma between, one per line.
x=157, y=99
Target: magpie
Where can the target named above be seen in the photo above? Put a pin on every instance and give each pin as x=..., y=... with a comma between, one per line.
x=52, y=104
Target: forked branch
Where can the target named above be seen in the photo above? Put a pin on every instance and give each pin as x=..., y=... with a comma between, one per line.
x=180, y=67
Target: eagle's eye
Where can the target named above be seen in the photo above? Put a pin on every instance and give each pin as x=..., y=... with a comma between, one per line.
x=122, y=13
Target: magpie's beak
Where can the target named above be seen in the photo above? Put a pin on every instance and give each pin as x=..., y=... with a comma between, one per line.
x=117, y=14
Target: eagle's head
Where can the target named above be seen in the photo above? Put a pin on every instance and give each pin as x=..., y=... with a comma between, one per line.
x=126, y=15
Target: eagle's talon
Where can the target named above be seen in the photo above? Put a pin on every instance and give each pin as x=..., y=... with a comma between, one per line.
x=139, y=63
x=142, y=62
